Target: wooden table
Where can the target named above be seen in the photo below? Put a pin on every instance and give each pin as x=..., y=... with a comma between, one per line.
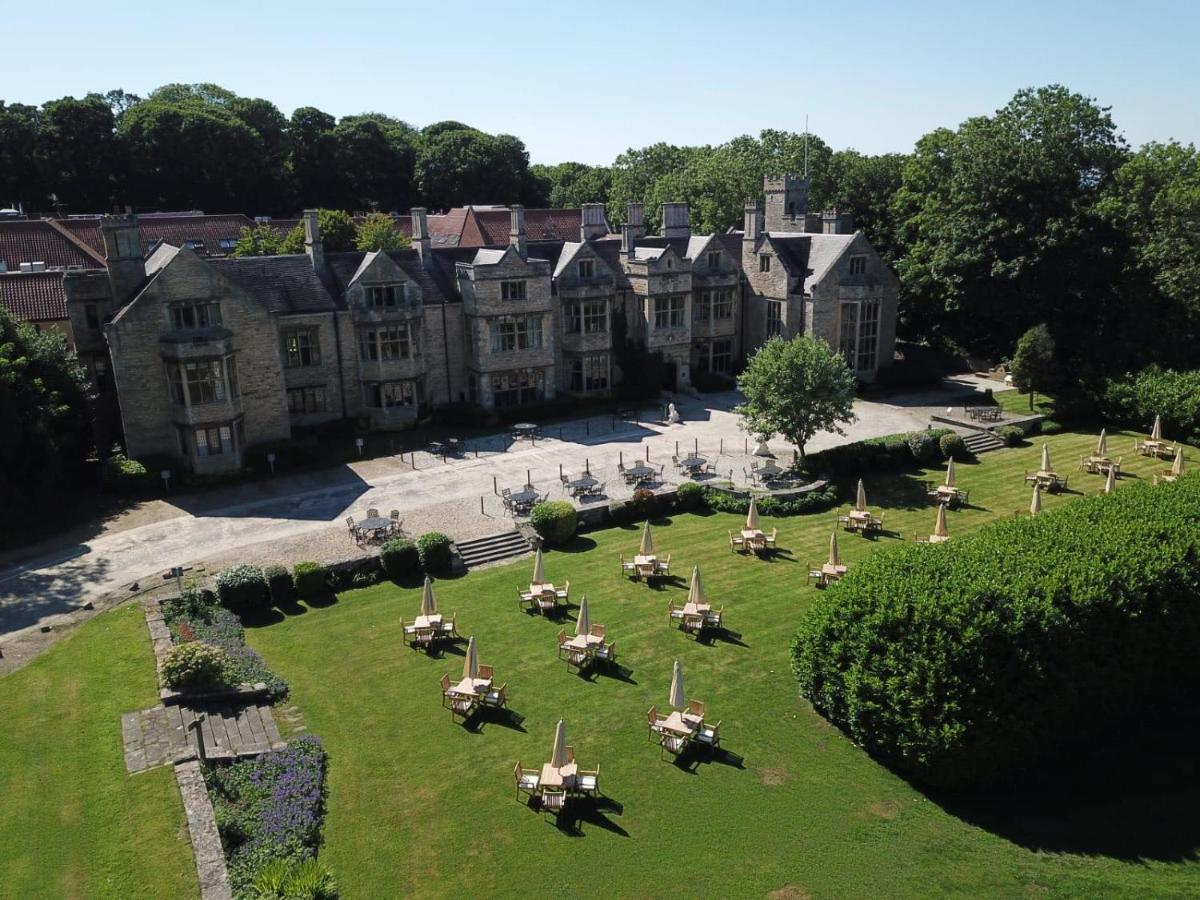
x=832, y=573
x=859, y=519
x=471, y=687
x=645, y=566
x=427, y=621
x=946, y=493
x=754, y=538
x=557, y=777
x=542, y=589
x=585, y=642
x=676, y=723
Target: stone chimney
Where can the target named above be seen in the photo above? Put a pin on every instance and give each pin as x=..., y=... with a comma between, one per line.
x=420, y=236
x=835, y=222
x=752, y=227
x=313, y=245
x=123, y=256
x=516, y=230
x=675, y=221
x=628, y=239
x=635, y=220
x=593, y=223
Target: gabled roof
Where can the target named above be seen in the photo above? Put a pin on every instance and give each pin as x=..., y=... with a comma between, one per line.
x=540, y=225
x=569, y=250
x=38, y=240
x=34, y=296
x=285, y=285
x=174, y=230
x=344, y=268
x=488, y=257
x=809, y=256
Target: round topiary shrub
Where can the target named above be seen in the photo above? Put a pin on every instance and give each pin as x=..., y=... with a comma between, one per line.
x=433, y=548
x=400, y=559
x=555, y=521
x=953, y=447
x=194, y=666
x=1012, y=435
x=279, y=584
x=242, y=588
x=311, y=580
x=690, y=496
x=1049, y=426
x=923, y=445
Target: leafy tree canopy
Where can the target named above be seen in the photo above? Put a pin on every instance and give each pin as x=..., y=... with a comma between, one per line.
x=795, y=389
x=378, y=232
x=260, y=240
x=1033, y=366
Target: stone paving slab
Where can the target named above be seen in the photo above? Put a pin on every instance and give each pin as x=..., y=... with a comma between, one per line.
x=202, y=827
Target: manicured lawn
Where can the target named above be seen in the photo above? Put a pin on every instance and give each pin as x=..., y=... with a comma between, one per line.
x=72, y=822
x=418, y=805
x=1017, y=404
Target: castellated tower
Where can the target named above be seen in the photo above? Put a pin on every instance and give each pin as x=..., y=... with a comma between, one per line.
x=787, y=202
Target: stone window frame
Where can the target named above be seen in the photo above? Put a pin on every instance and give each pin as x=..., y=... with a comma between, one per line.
x=764, y=262
x=773, y=318
x=383, y=296
x=213, y=440
x=670, y=312
x=848, y=333
x=514, y=289
x=513, y=333
x=858, y=265
x=868, y=335
x=294, y=355
x=200, y=312
x=589, y=373
x=305, y=400
x=389, y=394
x=714, y=260
x=722, y=304
x=586, y=269
x=395, y=342
x=725, y=354
x=200, y=391
x=525, y=386
x=587, y=317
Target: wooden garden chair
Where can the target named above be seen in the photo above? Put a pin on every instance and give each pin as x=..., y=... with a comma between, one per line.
x=607, y=653
x=628, y=568
x=695, y=709
x=674, y=613
x=447, y=628
x=497, y=698
x=596, y=631
x=526, y=779
x=709, y=735
x=653, y=722
x=674, y=744
x=770, y=539
x=485, y=673
x=565, y=592
x=736, y=542
x=587, y=782
x=554, y=801
x=712, y=618
x=524, y=599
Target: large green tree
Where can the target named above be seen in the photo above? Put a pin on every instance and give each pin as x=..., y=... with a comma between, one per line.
x=795, y=389
x=258, y=240
x=45, y=405
x=378, y=232
x=460, y=165
x=1000, y=230
x=1033, y=365
x=376, y=153
x=20, y=136
x=572, y=184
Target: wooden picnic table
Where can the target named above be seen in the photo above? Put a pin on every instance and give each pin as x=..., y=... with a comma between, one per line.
x=546, y=588
x=677, y=723
x=832, y=573
x=557, y=776
x=427, y=621
x=589, y=643
x=471, y=687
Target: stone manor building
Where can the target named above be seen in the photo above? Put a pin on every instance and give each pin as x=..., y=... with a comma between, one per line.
x=211, y=356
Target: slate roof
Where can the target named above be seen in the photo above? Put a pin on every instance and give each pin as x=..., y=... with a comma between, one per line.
x=810, y=256
x=283, y=284
x=38, y=240
x=34, y=296
x=344, y=266
x=174, y=230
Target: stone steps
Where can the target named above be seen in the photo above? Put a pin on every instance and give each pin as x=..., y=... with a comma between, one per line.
x=982, y=441
x=492, y=548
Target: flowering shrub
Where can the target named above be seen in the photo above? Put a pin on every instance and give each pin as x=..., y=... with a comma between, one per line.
x=194, y=666
x=269, y=808
x=190, y=618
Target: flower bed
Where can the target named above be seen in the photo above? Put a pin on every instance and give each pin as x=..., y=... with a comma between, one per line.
x=192, y=618
x=269, y=809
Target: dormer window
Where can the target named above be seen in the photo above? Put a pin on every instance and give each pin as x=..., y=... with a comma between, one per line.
x=196, y=245
x=512, y=290
x=670, y=263
x=714, y=260
x=587, y=268
x=204, y=314
x=384, y=296
x=227, y=244
x=858, y=265
x=764, y=263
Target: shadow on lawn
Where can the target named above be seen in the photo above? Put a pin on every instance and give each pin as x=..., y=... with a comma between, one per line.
x=590, y=811
x=488, y=715
x=1131, y=796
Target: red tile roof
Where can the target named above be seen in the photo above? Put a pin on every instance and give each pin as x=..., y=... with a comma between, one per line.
x=174, y=230
x=34, y=296
x=37, y=240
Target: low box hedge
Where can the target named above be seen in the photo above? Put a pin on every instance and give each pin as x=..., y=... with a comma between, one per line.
x=279, y=585
x=242, y=588
x=433, y=548
x=962, y=663
x=555, y=521
x=768, y=505
x=891, y=452
x=399, y=559
x=311, y=580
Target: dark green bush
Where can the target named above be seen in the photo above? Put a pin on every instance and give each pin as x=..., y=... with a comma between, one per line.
x=194, y=666
x=892, y=452
x=1135, y=400
x=311, y=580
x=399, y=559
x=126, y=476
x=555, y=521
x=963, y=663
x=433, y=548
x=1048, y=426
x=689, y=496
x=923, y=445
x=279, y=584
x=1012, y=435
x=790, y=505
x=953, y=447
x=242, y=588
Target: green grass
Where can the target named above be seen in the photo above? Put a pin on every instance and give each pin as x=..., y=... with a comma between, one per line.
x=1017, y=404
x=419, y=806
x=72, y=822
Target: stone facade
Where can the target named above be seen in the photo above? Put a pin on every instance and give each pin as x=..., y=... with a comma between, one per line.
x=210, y=357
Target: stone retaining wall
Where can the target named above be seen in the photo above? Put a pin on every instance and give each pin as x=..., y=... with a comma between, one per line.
x=202, y=828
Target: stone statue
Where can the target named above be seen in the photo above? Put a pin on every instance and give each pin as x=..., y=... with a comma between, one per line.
x=673, y=417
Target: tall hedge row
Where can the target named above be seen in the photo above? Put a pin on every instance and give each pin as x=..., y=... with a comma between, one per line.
x=962, y=663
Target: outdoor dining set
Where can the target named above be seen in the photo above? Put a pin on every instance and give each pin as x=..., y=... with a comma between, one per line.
x=860, y=518
x=948, y=492
x=558, y=780
x=752, y=537
x=430, y=627
x=542, y=596
x=684, y=725
x=521, y=502
x=697, y=614
x=588, y=647
x=645, y=564
x=584, y=486
x=475, y=689
x=374, y=528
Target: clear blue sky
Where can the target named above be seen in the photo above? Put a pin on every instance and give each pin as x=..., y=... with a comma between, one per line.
x=586, y=80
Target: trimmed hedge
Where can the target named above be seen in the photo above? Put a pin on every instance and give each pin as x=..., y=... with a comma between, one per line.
x=689, y=496
x=1012, y=435
x=963, y=663
x=242, y=588
x=894, y=451
x=433, y=548
x=953, y=446
x=279, y=584
x=311, y=579
x=1137, y=399
x=555, y=521
x=399, y=559
x=794, y=505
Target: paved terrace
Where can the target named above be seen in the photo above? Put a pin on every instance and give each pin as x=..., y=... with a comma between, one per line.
x=302, y=517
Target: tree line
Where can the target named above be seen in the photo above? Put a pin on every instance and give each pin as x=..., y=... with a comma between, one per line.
x=1039, y=213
